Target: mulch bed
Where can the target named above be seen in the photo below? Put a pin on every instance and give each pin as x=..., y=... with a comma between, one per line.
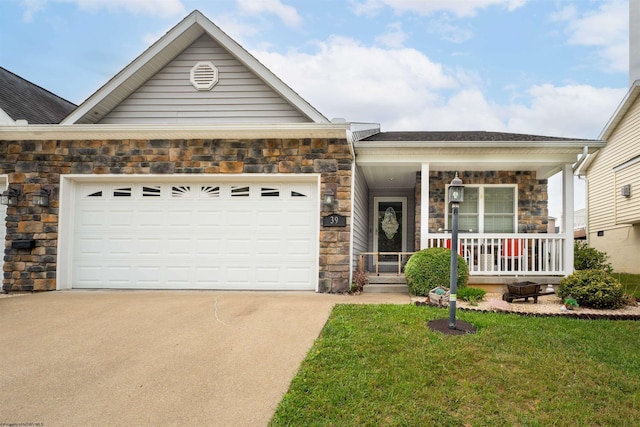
x=569, y=313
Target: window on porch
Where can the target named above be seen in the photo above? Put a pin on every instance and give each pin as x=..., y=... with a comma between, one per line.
x=487, y=209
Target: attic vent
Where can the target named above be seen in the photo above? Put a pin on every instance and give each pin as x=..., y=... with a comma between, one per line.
x=204, y=75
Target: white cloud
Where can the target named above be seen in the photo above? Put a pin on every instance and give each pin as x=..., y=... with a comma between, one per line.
x=31, y=7
x=394, y=36
x=459, y=8
x=160, y=8
x=573, y=111
x=606, y=29
x=344, y=78
x=403, y=89
x=448, y=30
x=287, y=14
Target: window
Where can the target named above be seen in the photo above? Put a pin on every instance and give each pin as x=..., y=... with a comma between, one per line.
x=487, y=209
x=151, y=191
x=122, y=192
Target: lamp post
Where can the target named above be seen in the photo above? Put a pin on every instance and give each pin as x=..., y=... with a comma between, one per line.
x=456, y=196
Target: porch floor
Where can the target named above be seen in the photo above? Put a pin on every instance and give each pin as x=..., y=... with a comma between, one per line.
x=393, y=282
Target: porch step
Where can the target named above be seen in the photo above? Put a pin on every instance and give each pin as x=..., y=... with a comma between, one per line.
x=386, y=284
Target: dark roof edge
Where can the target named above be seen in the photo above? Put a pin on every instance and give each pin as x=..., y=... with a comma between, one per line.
x=40, y=87
x=466, y=136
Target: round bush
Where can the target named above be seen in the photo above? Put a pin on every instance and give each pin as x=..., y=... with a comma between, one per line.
x=430, y=268
x=592, y=288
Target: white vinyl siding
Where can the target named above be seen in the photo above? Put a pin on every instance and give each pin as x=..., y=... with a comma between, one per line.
x=238, y=97
x=603, y=184
x=487, y=209
x=628, y=208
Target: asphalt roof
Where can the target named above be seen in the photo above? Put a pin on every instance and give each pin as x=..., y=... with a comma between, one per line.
x=462, y=136
x=23, y=100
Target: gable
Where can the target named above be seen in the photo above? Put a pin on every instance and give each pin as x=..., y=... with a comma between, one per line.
x=239, y=96
x=152, y=67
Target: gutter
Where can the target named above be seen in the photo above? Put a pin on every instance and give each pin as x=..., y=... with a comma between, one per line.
x=161, y=131
x=481, y=144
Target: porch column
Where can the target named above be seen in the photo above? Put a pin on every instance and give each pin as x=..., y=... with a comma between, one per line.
x=567, y=216
x=424, y=206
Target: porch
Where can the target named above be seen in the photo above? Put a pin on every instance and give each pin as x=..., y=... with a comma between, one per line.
x=493, y=259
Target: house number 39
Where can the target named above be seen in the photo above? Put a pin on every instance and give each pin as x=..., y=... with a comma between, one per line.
x=334, y=220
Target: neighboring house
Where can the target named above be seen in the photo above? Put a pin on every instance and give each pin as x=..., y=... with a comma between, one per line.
x=613, y=173
x=579, y=224
x=197, y=168
x=21, y=103
x=613, y=187
x=21, y=100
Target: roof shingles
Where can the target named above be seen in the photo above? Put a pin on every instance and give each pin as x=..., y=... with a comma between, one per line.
x=479, y=136
x=23, y=100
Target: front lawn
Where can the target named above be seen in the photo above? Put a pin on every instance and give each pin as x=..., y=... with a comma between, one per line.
x=380, y=365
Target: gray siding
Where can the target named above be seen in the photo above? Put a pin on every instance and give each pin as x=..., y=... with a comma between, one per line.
x=238, y=97
x=360, y=222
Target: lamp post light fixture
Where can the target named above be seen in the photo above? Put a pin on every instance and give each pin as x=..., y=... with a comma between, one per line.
x=456, y=196
x=9, y=197
x=41, y=197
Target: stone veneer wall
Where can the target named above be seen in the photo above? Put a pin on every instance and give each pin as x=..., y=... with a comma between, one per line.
x=532, y=197
x=31, y=165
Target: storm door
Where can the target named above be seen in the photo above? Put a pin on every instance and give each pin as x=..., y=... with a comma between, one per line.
x=390, y=227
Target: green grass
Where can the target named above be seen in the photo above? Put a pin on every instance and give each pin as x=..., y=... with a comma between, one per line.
x=380, y=365
x=631, y=283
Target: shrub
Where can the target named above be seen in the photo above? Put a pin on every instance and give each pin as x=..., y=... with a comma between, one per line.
x=473, y=295
x=430, y=268
x=592, y=288
x=587, y=258
x=360, y=280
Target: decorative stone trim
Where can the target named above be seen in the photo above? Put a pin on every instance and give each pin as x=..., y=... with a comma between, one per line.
x=33, y=164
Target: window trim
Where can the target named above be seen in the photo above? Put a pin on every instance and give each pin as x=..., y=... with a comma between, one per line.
x=481, y=209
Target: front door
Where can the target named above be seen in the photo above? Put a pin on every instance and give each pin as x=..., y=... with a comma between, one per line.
x=390, y=227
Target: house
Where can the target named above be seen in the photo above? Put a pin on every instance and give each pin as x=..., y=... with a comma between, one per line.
x=613, y=188
x=22, y=102
x=613, y=173
x=197, y=168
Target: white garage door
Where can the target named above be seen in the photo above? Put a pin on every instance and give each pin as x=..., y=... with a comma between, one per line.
x=224, y=235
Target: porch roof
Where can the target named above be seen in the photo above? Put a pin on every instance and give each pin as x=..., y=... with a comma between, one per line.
x=390, y=159
x=478, y=137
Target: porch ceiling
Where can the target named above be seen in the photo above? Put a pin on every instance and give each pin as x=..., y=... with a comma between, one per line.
x=397, y=167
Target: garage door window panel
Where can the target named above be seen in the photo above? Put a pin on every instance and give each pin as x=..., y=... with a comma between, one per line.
x=122, y=192
x=209, y=192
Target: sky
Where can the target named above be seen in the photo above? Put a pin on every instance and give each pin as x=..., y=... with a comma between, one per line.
x=544, y=67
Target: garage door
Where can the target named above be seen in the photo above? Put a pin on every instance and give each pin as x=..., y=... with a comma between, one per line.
x=199, y=235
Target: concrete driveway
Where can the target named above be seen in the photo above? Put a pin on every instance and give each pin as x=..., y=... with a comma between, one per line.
x=156, y=358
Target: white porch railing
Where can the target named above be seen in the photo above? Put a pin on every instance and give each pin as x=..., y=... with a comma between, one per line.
x=486, y=254
x=508, y=254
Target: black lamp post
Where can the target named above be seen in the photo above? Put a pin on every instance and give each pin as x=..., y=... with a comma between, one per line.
x=456, y=196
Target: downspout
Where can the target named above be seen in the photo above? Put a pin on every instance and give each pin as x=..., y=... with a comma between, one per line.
x=353, y=202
